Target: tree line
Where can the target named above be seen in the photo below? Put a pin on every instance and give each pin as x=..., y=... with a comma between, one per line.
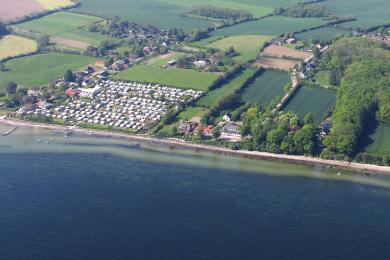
x=220, y=13
x=302, y=10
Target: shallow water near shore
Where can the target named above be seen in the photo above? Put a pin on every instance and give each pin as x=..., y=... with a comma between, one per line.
x=88, y=197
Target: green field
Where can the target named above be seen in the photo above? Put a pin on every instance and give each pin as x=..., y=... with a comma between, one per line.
x=41, y=69
x=213, y=97
x=168, y=13
x=66, y=25
x=268, y=86
x=202, y=43
x=322, y=78
x=322, y=34
x=182, y=78
x=315, y=100
x=162, y=61
x=381, y=140
x=274, y=25
x=11, y=46
x=247, y=45
x=368, y=12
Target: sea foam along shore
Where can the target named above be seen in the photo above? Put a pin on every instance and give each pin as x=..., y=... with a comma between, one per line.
x=357, y=167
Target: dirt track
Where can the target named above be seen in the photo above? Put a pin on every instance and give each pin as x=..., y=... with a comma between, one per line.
x=277, y=51
x=272, y=63
x=70, y=43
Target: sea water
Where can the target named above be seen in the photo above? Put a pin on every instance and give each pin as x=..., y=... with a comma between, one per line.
x=87, y=197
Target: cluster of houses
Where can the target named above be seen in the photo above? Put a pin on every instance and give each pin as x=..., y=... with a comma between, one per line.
x=128, y=105
x=379, y=37
x=229, y=130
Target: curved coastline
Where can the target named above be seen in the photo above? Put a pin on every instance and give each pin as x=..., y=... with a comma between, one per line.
x=296, y=159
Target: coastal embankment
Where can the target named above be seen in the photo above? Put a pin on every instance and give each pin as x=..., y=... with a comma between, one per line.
x=176, y=143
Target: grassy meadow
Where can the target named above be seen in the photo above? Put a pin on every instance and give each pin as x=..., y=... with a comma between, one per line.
x=66, y=25
x=368, y=13
x=12, y=45
x=161, y=61
x=212, y=98
x=41, y=69
x=168, y=13
x=322, y=34
x=316, y=100
x=269, y=85
x=248, y=46
x=274, y=25
x=182, y=78
x=380, y=140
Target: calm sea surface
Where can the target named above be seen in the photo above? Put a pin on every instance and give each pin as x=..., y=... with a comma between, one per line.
x=86, y=197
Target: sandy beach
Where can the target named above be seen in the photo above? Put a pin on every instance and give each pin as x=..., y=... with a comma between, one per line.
x=357, y=167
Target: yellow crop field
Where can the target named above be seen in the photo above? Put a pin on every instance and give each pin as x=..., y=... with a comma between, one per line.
x=12, y=45
x=54, y=4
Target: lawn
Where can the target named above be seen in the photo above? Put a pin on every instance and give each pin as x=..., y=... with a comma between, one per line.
x=322, y=78
x=322, y=34
x=12, y=45
x=162, y=60
x=380, y=140
x=369, y=13
x=247, y=45
x=274, y=25
x=182, y=78
x=191, y=112
x=66, y=25
x=168, y=13
x=316, y=100
x=213, y=97
x=41, y=69
x=268, y=86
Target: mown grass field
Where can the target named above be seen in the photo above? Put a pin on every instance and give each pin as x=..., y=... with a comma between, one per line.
x=162, y=60
x=12, y=45
x=182, y=78
x=322, y=78
x=213, y=97
x=368, y=12
x=322, y=34
x=381, y=140
x=248, y=46
x=168, y=13
x=316, y=100
x=274, y=25
x=269, y=85
x=66, y=25
x=41, y=69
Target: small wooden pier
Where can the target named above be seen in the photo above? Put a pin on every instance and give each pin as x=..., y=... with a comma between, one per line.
x=10, y=131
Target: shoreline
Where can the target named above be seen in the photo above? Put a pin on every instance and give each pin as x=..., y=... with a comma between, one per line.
x=296, y=159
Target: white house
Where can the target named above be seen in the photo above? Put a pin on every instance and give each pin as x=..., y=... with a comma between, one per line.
x=90, y=92
x=227, y=117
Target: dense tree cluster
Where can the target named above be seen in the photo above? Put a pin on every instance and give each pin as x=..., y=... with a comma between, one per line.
x=3, y=29
x=220, y=13
x=302, y=10
x=282, y=133
x=347, y=51
x=12, y=95
x=362, y=87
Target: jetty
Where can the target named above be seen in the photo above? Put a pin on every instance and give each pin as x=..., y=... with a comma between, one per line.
x=10, y=131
